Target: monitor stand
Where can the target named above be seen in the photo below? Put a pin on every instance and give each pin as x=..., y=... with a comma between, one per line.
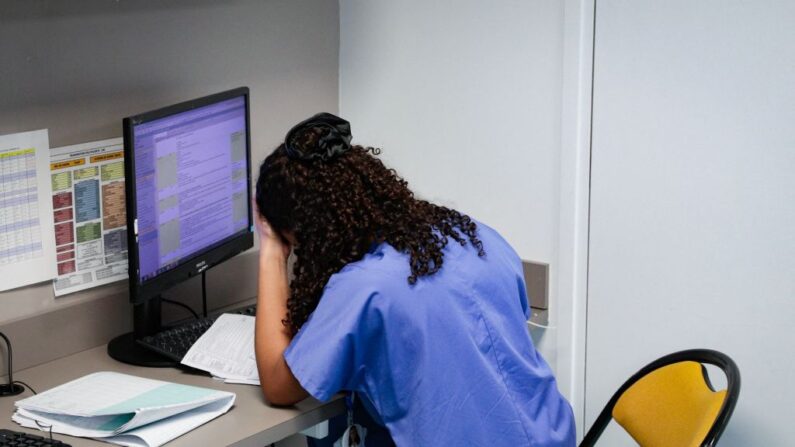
x=146, y=321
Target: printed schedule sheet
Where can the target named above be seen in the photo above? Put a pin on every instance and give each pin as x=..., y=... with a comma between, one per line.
x=89, y=215
x=27, y=247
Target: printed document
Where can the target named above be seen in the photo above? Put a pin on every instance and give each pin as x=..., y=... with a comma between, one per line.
x=122, y=409
x=27, y=243
x=90, y=221
x=226, y=350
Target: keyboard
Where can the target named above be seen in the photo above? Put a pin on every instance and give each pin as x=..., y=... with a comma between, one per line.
x=11, y=438
x=174, y=342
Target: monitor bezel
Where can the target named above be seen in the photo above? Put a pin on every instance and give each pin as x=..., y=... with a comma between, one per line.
x=141, y=291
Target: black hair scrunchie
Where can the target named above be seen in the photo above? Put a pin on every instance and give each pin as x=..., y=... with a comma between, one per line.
x=332, y=133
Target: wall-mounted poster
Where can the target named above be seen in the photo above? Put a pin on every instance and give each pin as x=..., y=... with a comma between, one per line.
x=27, y=253
x=89, y=215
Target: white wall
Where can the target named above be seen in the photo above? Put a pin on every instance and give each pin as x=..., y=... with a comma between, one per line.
x=692, y=240
x=465, y=101
x=464, y=97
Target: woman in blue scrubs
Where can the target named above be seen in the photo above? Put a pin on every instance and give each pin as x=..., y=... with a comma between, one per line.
x=413, y=308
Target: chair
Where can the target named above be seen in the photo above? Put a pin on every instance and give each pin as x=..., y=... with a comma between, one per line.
x=671, y=402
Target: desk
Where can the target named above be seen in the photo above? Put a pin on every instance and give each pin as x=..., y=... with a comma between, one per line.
x=249, y=423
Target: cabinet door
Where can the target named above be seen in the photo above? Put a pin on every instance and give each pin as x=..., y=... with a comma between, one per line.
x=692, y=230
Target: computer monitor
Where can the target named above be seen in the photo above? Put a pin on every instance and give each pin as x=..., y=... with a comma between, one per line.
x=188, y=183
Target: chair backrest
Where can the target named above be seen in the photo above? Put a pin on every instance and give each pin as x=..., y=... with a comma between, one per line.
x=671, y=402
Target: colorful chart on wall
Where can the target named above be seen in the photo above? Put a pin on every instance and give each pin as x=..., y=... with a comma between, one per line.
x=89, y=215
x=27, y=248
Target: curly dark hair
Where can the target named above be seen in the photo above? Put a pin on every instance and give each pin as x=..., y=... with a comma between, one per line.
x=336, y=209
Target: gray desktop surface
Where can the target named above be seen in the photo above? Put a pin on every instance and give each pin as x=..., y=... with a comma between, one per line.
x=251, y=422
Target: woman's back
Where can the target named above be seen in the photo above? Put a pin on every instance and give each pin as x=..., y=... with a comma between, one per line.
x=445, y=361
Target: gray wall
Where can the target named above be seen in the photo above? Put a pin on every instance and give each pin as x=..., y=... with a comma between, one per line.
x=77, y=68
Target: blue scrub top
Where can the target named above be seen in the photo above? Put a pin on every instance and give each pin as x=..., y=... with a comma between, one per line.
x=446, y=361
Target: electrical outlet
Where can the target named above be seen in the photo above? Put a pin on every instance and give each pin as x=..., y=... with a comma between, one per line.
x=536, y=278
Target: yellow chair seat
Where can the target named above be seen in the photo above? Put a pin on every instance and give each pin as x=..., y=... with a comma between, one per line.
x=672, y=406
x=670, y=402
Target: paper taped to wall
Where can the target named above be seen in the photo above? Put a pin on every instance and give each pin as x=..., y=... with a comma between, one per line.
x=89, y=214
x=27, y=247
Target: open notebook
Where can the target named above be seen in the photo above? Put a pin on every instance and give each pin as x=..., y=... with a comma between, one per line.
x=122, y=409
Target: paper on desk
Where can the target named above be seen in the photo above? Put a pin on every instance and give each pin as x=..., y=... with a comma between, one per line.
x=242, y=381
x=27, y=242
x=106, y=404
x=155, y=434
x=226, y=350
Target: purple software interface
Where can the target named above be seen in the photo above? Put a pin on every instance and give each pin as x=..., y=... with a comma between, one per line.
x=190, y=183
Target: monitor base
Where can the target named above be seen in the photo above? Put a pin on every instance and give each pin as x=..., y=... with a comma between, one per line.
x=124, y=349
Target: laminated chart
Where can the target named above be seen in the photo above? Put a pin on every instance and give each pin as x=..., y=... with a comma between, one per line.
x=89, y=214
x=27, y=248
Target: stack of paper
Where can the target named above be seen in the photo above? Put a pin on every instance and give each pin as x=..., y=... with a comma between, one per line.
x=226, y=350
x=122, y=409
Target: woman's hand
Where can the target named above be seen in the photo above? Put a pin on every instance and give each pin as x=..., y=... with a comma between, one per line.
x=271, y=243
x=278, y=383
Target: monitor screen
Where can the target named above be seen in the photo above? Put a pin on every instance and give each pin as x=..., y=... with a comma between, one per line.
x=191, y=185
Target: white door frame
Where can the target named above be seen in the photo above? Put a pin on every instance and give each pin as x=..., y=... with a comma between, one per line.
x=573, y=225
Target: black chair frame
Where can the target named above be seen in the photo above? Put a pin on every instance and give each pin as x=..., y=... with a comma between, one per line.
x=702, y=356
